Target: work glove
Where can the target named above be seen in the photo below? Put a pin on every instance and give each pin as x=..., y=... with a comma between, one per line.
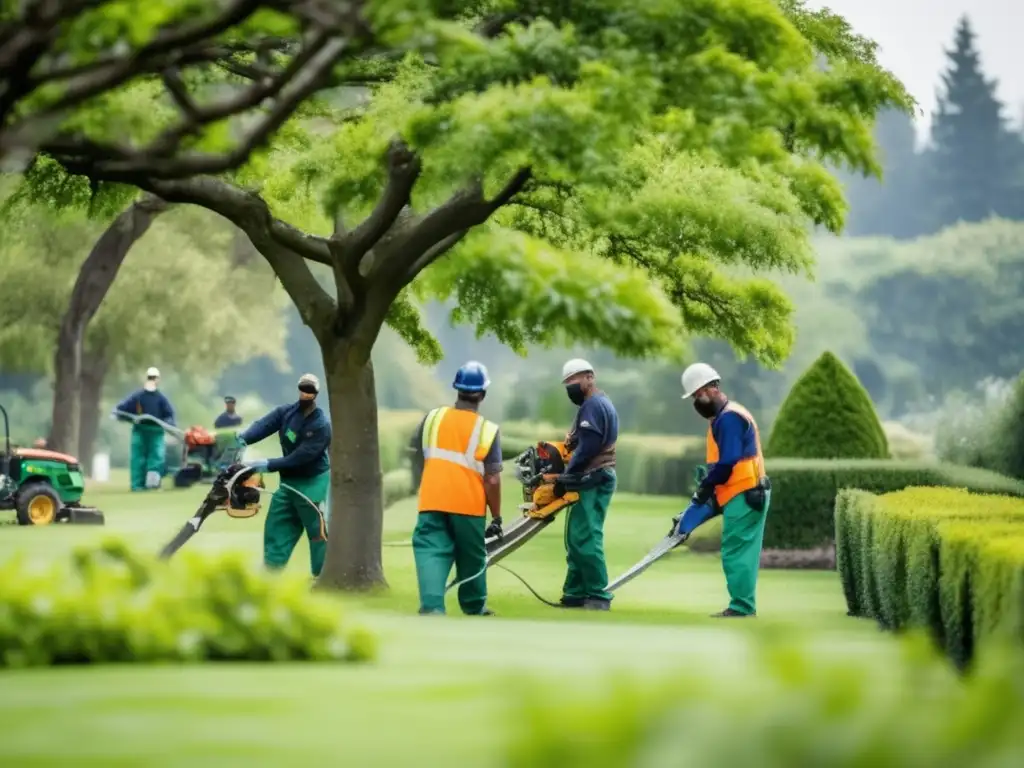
x=494, y=529
x=258, y=466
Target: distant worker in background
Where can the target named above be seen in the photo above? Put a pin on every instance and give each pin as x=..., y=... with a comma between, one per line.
x=148, y=450
x=230, y=417
x=736, y=486
x=592, y=442
x=305, y=470
x=461, y=480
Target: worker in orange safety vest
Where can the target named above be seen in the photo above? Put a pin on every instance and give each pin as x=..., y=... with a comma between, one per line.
x=461, y=479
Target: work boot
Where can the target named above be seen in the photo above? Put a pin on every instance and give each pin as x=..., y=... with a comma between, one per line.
x=597, y=604
x=427, y=612
x=486, y=612
x=571, y=602
x=729, y=613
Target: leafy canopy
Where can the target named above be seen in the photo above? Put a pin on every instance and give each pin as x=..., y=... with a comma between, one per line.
x=677, y=154
x=674, y=155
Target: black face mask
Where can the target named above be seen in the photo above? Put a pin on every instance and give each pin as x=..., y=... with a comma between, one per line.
x=705, y=408
x=575, y=393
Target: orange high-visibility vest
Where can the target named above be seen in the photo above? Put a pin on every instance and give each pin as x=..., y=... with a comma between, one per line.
x=746, y=473
x=455, y=444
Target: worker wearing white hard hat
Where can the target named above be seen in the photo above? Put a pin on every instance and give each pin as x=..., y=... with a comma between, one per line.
x=735, y=485
x=300, y=503
x=591, y=473
x=150, y=412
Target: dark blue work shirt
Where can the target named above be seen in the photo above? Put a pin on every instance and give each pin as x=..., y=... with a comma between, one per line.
x=596, y=426
x=226, y=420
x=736, y=440
x=305, y=440
x=148, y=403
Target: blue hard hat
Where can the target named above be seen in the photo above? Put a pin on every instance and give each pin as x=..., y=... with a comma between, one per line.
x=472, y=377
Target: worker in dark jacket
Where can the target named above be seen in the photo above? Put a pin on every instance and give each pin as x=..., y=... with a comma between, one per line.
x=592, y=442
x=304, y=468
x=230, y=417
x=144, y=409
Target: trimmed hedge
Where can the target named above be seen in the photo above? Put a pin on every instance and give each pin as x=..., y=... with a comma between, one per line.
x=791, y=707
x=829, y=415
x=936, y=558
x=804, y=491
x=110, y=604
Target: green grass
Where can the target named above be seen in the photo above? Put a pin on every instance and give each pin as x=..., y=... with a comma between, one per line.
x=442, y=688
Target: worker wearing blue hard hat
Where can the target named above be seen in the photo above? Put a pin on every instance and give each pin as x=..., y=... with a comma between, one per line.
x=461, y=480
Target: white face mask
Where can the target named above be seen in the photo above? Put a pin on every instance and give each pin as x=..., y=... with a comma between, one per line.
x=149, y=386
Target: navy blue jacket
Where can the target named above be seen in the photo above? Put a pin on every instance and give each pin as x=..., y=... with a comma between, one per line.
x=226, y=420
x=596, y=425
x=148, y=403
x=736, y=440
x=305, y=440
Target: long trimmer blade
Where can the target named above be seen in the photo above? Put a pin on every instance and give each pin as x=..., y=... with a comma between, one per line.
x=515, y=537
x=661, y=549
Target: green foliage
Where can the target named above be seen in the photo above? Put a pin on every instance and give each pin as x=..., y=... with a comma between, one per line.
x=660, y=184
x=982, y=428
x=177, y=302
x=397, y=485
x=940, y=559
x=788, y=705
x=111, y=604
x=827, y=415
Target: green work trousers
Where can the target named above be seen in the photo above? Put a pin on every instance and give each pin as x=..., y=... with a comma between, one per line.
x=742, y=537
x=587, y=573
x=440, y=540
x=148, y=455
x=290, y=515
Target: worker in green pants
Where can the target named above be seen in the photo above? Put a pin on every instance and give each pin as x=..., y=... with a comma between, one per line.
x=144, y=409
x=461, y=481
x=592, y=442
x=299, y=503
x=735, y=483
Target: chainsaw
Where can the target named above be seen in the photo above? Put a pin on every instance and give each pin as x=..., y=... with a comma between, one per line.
x=540, y=470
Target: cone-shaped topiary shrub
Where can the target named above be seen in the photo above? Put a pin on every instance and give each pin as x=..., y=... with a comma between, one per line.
x=828, y=415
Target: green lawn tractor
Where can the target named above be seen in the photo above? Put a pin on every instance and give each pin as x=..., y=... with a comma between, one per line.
x=42, y=486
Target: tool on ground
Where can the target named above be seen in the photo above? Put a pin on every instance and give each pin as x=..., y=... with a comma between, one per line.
x=205, y=454
x=42, y=486
x=546, y=493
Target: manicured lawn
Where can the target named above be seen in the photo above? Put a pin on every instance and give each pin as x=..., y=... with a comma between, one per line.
x=443, y=689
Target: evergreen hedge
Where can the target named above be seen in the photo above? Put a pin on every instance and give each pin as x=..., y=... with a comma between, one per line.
x=941, y=559
x=827, y=415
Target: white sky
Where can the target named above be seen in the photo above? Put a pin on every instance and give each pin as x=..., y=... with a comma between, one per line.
x=913, y=34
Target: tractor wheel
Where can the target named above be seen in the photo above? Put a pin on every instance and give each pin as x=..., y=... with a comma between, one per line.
x=38, y=504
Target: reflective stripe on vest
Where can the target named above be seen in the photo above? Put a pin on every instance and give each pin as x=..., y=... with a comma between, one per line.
x=455, y=443
x=746, y=473
x=479, y=442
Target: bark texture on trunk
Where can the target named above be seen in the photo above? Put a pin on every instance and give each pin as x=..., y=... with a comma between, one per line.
x=95, y=277
x=94, y=373
x=357, y=511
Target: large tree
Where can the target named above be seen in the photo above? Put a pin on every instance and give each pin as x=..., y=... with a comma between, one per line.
x=179, y=303
x=243, y=65
x=610, y=172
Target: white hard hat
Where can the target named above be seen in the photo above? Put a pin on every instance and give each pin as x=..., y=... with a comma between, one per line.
x=152, y=373
x=308, y=379
x=574, y=366
x=696, y=376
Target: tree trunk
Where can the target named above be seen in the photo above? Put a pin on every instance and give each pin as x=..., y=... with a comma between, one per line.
x=357, y=511
x=95, y=277
x=94, y=372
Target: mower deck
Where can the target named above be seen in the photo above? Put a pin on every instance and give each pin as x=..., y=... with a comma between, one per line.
x=81, y=516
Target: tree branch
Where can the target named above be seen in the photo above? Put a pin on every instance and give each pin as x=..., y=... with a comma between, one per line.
x=285, y=248
x=403, y=170
x=466, y=209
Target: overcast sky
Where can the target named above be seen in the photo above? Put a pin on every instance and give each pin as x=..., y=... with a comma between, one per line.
x=912, y=35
